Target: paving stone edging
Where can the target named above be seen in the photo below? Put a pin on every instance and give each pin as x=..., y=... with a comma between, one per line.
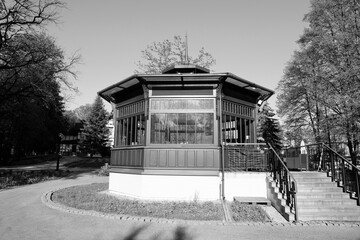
x=46, y=199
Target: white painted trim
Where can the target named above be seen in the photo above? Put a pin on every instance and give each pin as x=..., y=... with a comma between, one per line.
x=245, y=184
x=161, y=187
x=188, y=188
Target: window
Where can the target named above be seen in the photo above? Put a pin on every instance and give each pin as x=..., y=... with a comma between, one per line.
x=182, y=104
x=182, y=128
x=182, y=121
x=238, y=123
x=130, y=125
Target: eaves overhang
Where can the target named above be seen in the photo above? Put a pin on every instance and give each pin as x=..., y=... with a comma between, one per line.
x=181, y=80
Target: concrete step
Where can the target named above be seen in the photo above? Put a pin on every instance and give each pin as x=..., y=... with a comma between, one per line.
x=325, y=202
x=301, y=185
x=308, y=174
x=322, y=195
x=312, y=179
x=277, y=202
x=329, y=216
x=310, y=188
x=320, y=199
x=347, y=209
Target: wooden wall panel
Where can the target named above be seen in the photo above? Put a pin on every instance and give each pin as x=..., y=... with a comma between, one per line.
x=192, y=159
x=181, y=163
x=172, y=158
x=210, y=159
x=127, y=157
x=154, y=156
x=163, y=158
x=200, y=159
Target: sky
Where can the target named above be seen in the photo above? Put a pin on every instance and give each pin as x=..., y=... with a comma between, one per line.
x=253, y=39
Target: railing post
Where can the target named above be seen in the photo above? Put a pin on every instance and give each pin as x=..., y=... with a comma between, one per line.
x=281, y=180
x=343, y=173
x=273, y=165
x=358, y=187
x=246, y=160
x=333, y=172
x=307, y=158
x=287, y=192
x=222, y=170
x=293, y=192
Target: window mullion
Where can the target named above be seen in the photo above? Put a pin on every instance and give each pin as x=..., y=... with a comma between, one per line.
x=136, y=140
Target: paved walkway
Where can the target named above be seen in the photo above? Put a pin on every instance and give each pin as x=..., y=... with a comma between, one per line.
x=23, y=215
x=51, y=165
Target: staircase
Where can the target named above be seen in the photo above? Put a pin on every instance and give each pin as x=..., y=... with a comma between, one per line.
x=277, y=200
x=320, y=199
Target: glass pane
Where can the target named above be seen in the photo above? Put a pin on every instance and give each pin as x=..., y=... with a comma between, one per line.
x=128, y=136
x=154, y=124
x=175, y=104
x=131, y=131
x=200, y=127
x=135, y=130
x=141, y=130
x=158, y=128
x=124, y=135
x=190, y=122
x=233, y=129
x=247, y=137
x=118, y=133
x=182, y=128
x=209, y=128
x=227, y=128
x=172, y=128
x=238, y=130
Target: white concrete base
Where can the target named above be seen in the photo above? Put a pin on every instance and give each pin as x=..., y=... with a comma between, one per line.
x=166, y=187
x=245, y=184
x=188, y=188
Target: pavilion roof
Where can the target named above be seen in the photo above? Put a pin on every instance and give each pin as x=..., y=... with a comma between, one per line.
x=179, y=79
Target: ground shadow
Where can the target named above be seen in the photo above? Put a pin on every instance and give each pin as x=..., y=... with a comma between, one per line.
x=180, y=233
x=74, y=174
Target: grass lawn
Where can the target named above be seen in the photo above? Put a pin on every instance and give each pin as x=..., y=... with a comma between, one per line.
x=84, y=162
x=88, y=197
x=19, y=177
x=30, y=177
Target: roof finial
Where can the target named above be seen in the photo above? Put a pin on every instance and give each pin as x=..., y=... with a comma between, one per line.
x=186, y=50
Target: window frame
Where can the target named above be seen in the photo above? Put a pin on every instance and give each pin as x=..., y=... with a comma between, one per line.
x=168, y=112
x=128, y=116
x=242, y=117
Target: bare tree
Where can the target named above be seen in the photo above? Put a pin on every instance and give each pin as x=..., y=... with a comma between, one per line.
x=32, y=71
x=21, y=16
x=160, y=55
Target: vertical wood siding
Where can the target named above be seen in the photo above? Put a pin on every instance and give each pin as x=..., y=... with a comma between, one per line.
x=192, y=159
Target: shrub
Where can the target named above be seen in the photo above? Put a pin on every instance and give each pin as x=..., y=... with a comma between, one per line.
x=104, y=170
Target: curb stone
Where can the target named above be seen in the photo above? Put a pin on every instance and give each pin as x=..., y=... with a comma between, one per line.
x=46, y=199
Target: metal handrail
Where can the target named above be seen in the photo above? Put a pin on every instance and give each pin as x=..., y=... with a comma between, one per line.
x=287, y=180
x=246, y=144
x=325, y=158
x=342, y=157
x=355, y=171
x=245, y=157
